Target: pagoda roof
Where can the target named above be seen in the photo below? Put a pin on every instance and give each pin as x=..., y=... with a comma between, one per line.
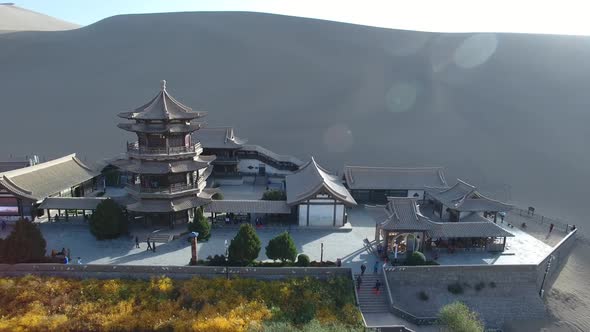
x=402, y=215
x=160, y=128
x=310, y=180
x=162, y=167
x=364, y=177
x=162, y=107
x=164, y=206
x=218, y=138
x=48, y=178
x=465, y=197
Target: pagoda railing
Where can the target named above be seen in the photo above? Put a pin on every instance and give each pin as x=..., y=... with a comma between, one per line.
x=135, y=148
x=162, y=190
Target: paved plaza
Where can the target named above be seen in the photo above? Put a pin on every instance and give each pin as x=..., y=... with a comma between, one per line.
x=346, y=245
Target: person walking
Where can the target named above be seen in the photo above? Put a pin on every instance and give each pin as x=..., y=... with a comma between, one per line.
x=136, y=242
x=149, y=244
x=376, y=267
x=363, y=268
x=154, y=246
x=359, y=281
x=551, y=228
x=377, y=287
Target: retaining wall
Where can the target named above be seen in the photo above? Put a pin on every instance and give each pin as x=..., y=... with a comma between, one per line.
x=175, y=272
x=556, y=260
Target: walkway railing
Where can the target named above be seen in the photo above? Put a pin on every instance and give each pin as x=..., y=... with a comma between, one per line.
x=162, y=190
x=135, y=148
x=543, y=220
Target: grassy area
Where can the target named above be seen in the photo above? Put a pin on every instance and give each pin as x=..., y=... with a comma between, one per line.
x=39, y=303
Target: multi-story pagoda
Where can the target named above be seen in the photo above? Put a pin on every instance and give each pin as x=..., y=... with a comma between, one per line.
x=166, y=173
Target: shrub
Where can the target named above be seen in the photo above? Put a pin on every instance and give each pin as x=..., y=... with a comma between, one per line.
x=282, y=247
x=108, y=220
x=217, y=260
x=423, y=296
x=455, y=288
x=217, y=196
x=479, y=286
x=24, y=244
x=274, y=195
x=201, y=225
x=303, y=260
x=458, y=318
x=416, y=258
x=245, y=246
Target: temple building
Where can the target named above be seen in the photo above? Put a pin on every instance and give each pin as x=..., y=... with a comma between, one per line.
x=236, y=158
x=402, y=229
x=320, y=198
x=372, y=185
x=166, y=173
x=463, y=202
x=22, y=190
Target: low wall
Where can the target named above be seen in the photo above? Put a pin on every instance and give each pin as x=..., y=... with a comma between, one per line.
x=549, y=267
x=175, y=272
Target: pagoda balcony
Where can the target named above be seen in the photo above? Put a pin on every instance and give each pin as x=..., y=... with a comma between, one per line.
x=134, y=148
x=222, y=160
x=173, y=189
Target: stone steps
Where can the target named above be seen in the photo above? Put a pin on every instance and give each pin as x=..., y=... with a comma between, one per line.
x=159, y=238
x=369, y=302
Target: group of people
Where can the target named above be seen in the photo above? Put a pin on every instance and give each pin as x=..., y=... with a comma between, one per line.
x=65, y=253
x=151, y=245
x=359, y=279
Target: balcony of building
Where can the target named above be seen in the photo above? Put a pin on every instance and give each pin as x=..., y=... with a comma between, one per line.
x=134, y=148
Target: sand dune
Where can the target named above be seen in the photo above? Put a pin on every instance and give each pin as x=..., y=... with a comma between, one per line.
x=507, y=112
x=14, y=18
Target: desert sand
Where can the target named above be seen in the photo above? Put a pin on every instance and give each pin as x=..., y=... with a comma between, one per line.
x=14, y=18
x=506, y=112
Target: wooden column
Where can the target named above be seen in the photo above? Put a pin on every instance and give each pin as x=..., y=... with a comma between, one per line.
x=307, y=215
x=334, y=215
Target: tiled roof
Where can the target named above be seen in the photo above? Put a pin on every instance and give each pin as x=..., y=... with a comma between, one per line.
x=248, y=206
x=162, y=167
x=160, y=127
x=467, y=229
x=71, y=203
x=48, y=178
x=312, y=179
x=162, y=107
x=163, y=206
x=364, y=177
x=465, y=197
x=218, y=138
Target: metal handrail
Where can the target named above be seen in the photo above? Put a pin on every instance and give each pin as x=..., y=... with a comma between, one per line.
x=165, y=190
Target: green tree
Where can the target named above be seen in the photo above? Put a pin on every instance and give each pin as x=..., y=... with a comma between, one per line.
x=282, y=247
x=303, y=260
x=416, y=258
x=274, y=195
x=108, y=220
x=24, y=244
x=200, y=225
x=458, y=318
x=245, y=246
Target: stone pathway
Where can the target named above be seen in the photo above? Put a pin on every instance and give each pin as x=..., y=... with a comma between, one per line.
x=369, y=300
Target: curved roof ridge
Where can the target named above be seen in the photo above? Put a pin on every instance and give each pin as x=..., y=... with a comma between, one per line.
x=28, y=169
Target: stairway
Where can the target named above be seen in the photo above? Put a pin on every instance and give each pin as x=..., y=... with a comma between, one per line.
x=369, y=302
x=160, y=238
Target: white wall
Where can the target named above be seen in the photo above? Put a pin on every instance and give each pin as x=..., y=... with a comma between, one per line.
x=339, y=215
x=243, y=165
x=321, y=215
x=302, y=215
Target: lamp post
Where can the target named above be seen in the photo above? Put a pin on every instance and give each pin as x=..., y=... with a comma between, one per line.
x=322, y=253
x=226, y=260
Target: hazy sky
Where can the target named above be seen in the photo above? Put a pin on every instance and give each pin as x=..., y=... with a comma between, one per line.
x=536, y=16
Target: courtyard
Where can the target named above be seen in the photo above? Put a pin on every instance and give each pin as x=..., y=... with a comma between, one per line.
x=346, y=245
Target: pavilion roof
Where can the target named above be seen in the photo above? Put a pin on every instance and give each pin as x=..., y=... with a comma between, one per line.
x=218, y=138
x=162, y=167
x=160, y=128
x=364, y=177
x=310, y=180
x=465, y=197
x=402, y=215
x=48, y=178
x=71, y=203
x=162, y=107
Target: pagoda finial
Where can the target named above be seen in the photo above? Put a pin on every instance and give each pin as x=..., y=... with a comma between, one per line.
x=163, y=82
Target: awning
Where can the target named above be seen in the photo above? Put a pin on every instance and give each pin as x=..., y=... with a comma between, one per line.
x=71, y=203
x=248, y=206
